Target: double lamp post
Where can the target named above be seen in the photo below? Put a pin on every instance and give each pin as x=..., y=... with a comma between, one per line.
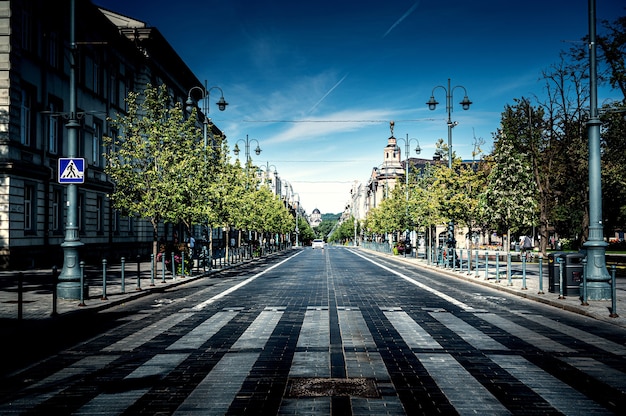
x=465, y=104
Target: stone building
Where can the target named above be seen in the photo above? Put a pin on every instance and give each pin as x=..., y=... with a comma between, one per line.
x=114, y=54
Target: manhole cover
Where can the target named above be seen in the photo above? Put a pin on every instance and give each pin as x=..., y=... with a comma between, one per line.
x=325, y=387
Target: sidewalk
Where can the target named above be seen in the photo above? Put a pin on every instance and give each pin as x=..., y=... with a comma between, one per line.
x=598, y=309
x=38, y=301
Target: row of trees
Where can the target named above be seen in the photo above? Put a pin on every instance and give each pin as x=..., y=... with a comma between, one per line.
x=164, y=172
x=537, y=173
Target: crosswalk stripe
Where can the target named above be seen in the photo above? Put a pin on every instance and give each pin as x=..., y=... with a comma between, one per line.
x=464, y=392
x=554, y=391
x=259, y=331
x=203, y=332
x=471, y=335
x=598, y=342
x=116, y=402
x=414, y=335
x=148, y=333
x=533, y=338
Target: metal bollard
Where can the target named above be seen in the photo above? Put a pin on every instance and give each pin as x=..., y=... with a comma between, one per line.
x=584, y=297
x=20, y=295
x=453, y=259
x=560, y=260
x=138, y=272
x=163, y=267
x=476, y=265
x=461, y=260
x=55, y=281
x=173, y=267
x=104, y=279
x=182, y=264
x=486, y=265
x=82, y=283
x=123, y=261
x=498, y=267
x=524, y=272
x=540, y=275
x=152, y=269
x=508, y=269
x=613, y=294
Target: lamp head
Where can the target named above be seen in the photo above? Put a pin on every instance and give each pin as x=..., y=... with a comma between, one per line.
x=221, y=104
x=466, y=103
x=432, y=103
x=418, y=149
x=236, y=150
x=257, y=150
x=189, y=104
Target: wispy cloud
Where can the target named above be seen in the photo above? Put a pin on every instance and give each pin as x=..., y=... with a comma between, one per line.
x=404, y=16
x=327, y=93
x=332, y=124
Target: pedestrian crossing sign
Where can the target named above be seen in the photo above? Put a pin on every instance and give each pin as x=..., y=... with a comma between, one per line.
x=71, y=170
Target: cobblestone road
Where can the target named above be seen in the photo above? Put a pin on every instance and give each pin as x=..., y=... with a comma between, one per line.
x=334, y=331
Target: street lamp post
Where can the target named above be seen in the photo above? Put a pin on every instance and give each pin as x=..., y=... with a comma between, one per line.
x=598, y=279
x=418, y=150
x=221, y=104
x=465, y=104
x=69, y=286
x=247, y=142
x=297, y=209
x=266, y=177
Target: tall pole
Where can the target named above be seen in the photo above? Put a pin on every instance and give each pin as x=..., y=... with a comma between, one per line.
x=297, y=209
x=69, y=278
x=432, y=104
x=206, y=107
x=598, y=279
x=407, y=144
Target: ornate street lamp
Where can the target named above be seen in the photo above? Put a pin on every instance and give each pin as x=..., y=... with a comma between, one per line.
x=247, y=142
x=190, y=103
x=297, y=209
x=418, y=150
x=598, y=286
x=221, y=105
x=265, y=171
x=69, y=285
x=465, y=104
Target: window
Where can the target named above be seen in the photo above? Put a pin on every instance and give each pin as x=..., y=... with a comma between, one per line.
x=113, y=89
x=27, y=31
x=57, y=211
x=53, y=50
x=96, y=143
x=54, y=128
x=115, y=221
x=88, y=73
x=26, y=118
x=97, y=83
x=29, y=209
x=99, y=215
x=91, y=74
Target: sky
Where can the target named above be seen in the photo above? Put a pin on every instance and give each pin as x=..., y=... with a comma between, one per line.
x=316, y=83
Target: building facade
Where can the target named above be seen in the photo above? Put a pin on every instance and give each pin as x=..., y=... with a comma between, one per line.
x=114, y=54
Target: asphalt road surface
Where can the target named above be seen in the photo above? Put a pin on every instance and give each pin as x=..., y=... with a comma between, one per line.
x=320, y=332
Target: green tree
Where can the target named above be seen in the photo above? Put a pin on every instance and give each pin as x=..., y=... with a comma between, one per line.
x=509, y=203
x=613, y=172
x=154, y=160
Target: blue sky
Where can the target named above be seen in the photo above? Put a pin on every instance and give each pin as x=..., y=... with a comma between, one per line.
x=316, y=83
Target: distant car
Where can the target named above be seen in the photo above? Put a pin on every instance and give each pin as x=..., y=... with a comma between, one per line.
x=318, y=243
